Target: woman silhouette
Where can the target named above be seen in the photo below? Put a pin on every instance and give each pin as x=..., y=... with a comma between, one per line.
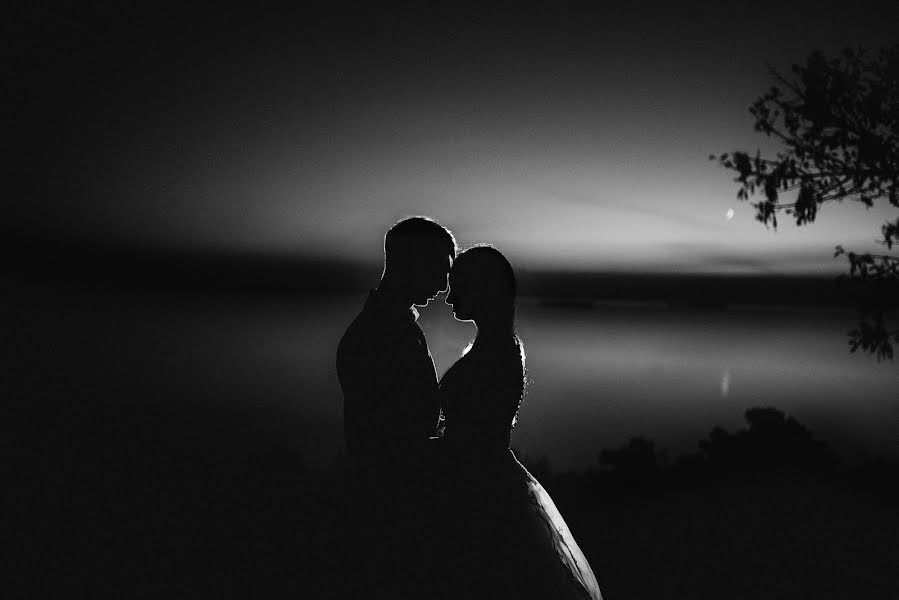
x=506, y=538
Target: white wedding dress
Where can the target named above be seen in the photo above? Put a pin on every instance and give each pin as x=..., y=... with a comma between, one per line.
x=505, y=536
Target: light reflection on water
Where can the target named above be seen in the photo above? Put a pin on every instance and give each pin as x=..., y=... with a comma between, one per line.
x=604, y=375
x=600, y=376
x=597, y=377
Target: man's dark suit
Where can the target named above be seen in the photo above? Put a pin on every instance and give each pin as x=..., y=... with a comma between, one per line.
x=389, y=385
x=390, y=411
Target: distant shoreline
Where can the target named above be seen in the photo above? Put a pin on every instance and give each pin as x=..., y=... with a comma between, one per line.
x=150, y=270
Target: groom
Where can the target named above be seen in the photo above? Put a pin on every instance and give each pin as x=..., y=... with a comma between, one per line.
x=386, y=372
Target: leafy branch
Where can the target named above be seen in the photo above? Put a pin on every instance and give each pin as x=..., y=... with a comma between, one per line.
x=838, y=120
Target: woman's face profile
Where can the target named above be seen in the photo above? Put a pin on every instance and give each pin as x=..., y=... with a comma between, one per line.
x=459, y=296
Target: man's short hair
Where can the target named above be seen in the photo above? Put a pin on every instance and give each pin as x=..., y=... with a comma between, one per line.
x=410, y=236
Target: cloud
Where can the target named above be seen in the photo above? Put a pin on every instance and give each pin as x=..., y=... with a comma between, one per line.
x=618, y=203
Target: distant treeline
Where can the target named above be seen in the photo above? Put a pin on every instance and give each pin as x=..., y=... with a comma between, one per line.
x=772, y=445
x=119, y=500
x=192, y=270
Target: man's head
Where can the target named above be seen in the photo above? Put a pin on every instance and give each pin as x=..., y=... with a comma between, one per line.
x=418, y=254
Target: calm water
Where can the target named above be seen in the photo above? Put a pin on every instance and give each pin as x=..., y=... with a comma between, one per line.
x=597, y=376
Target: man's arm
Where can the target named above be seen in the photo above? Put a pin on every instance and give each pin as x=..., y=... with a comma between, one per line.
x=414, y=398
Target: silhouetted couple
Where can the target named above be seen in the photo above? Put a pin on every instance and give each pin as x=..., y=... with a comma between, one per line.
x=450, y=512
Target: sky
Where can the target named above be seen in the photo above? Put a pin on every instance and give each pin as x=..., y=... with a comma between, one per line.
x=572, y=138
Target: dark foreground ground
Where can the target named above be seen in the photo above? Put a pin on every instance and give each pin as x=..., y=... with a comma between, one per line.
x=122, y=477
x=147, y=503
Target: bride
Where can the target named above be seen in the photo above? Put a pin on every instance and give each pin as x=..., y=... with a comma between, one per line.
x=504, y=536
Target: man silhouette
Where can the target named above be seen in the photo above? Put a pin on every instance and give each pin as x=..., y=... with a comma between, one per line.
x=390, y=411
x=391, y=406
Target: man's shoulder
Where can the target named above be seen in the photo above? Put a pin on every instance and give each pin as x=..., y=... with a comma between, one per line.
x=370, y=331
x=364, y=326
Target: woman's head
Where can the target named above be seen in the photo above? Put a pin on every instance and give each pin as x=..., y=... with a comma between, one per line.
x=482, y=286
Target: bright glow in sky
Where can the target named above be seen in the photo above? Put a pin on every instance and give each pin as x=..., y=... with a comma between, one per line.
x=548, y=201
x=569, y=141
